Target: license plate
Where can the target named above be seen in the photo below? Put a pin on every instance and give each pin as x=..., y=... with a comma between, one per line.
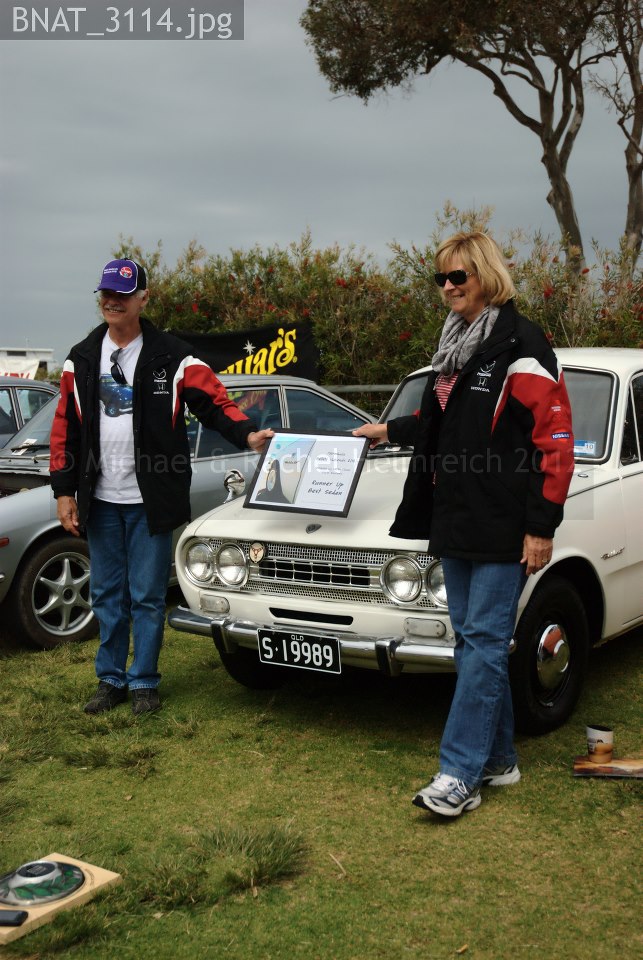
x=286, y=649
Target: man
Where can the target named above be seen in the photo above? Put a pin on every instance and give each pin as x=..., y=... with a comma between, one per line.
x=120, y=469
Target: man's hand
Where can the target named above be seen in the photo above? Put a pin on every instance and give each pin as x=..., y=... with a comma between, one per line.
x=536, y=552
x=376, y=433
x=257, y=440
x=68, y=514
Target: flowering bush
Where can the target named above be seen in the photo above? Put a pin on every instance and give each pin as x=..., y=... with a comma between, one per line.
x=374, y=323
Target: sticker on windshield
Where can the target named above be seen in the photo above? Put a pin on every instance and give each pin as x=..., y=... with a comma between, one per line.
x=585, y=448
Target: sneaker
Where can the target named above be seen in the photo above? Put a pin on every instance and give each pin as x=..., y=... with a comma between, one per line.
x=448, y=796
x=106, y=698
x=501, y=777
x=145, y=700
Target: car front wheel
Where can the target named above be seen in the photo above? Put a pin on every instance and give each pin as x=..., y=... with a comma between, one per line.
x=548, y=665
x=50, y=595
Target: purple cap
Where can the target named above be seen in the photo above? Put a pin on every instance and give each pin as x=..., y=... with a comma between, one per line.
x=124, y=276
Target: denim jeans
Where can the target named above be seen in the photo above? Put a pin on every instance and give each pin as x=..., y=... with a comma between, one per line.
x=483, y=599
x=129, y=576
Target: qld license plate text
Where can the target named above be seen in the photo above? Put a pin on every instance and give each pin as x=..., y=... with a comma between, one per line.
x=299, y=650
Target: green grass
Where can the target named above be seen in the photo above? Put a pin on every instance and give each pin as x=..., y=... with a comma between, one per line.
x=279, y=825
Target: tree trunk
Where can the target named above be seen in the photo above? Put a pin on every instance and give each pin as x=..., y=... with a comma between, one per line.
x=634, y=215
x=561, y=200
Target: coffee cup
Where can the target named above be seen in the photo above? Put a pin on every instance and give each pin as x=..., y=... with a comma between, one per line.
x=600, y=743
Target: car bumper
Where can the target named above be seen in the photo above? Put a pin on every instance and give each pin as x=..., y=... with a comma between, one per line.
x=390, y=655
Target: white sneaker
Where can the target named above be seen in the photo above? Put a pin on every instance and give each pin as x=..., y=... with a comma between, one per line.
x=502, y=777
x=448, y=796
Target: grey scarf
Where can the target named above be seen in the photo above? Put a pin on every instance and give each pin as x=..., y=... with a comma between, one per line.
x=460, y=340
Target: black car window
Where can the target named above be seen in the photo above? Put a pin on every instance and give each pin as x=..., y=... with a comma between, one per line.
x=407, y=399
x=7, y=419
x=590, y=395
x=632, y=446
x=30, y=400
x=308, y=411
x=259, y=404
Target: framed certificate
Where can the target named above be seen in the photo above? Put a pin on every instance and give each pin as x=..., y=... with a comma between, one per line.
x=308, y=473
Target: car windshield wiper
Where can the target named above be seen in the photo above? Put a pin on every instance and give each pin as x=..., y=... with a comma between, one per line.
x=30, y=446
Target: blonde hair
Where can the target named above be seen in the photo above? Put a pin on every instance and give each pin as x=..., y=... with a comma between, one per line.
x=478, y=254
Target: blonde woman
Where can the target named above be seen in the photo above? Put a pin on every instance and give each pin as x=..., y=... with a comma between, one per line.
x=493, y=456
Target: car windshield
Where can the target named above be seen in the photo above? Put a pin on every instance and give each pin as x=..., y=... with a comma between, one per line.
x=590, y=394
x=36, y=432
x=407, y=398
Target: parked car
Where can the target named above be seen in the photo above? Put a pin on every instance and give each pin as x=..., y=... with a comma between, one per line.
x=19, y=400
x=277, y=591
x=44, y=572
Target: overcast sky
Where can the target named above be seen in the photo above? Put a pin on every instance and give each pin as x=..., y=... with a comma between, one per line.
x=237, y=143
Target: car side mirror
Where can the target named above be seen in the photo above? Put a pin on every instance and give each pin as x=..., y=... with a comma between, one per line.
x=235, y=483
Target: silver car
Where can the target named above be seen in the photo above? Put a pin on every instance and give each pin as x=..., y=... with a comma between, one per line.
x=20, y=399
x=44, y=572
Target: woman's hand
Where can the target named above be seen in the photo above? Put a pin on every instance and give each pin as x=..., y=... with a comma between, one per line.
x=376, y=433
x=536, y=552
x=258, y=439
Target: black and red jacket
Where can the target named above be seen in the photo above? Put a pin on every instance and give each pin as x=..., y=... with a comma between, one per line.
x=497, y=462
x=167, y=377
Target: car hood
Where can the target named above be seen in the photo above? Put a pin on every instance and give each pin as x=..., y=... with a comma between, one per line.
x=371, y=514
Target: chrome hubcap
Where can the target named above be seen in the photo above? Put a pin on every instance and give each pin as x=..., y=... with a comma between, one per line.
x=553, y=656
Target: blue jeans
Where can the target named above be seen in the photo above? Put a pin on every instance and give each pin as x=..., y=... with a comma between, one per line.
x=483, y=599
x=130, y=570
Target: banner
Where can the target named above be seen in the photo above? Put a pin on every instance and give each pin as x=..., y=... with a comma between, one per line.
x=18, y=367
x=286, y=349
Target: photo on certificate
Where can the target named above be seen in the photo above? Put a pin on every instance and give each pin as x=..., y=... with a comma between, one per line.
x=308, y=473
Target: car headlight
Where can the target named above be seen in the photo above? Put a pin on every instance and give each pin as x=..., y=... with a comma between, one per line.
x=231, y=565
x=402, y=579
x=199, y=561
x=435, y=584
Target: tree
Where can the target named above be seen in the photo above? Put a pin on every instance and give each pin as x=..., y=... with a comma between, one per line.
x=364, y=46
x=623, y=19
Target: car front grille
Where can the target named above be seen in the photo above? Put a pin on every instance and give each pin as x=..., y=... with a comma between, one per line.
x=322, y=573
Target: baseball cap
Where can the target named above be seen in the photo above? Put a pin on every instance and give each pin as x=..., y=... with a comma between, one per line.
x=124, y=276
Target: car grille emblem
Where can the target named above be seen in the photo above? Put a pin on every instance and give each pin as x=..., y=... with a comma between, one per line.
x=313, y=527
x=256, y=552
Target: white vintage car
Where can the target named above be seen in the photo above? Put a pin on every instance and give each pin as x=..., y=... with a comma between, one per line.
x=279, y=591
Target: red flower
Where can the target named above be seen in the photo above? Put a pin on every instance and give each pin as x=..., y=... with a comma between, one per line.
x=585, y=270
x=422, y=261
x=305, y=312
x=340, y=282
x=547, y=292
x=195, y=307
x=405, y=335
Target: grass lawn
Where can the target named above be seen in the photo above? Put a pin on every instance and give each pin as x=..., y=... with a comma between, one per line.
x=279, y=825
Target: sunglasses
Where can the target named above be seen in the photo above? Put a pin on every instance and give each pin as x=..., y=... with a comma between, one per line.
x=456, y=277
x=117, y=370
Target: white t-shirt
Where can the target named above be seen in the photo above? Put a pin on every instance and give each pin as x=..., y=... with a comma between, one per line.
x=116, y=479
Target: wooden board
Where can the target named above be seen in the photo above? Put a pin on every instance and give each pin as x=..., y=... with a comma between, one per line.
x=96, y=879
x=626, y=767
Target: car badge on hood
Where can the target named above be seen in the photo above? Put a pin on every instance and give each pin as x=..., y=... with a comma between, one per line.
x=313, y=527
x=256, y=552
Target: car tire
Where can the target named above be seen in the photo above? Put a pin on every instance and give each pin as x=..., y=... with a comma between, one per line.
x=245, y=667
x=549, y=663
x=49, y=602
